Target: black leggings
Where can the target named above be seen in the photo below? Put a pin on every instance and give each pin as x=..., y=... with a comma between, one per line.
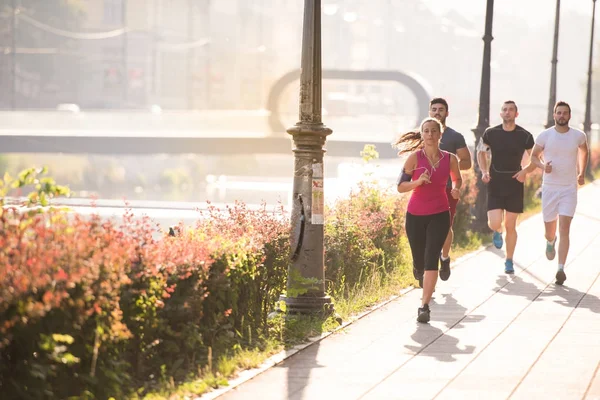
x=426, y=235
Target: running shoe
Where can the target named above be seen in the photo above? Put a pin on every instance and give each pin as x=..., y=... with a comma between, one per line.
x=561, y=277
x=497, y=239
x=508, y=266
x=424, y=314
x=444, y=268
x=551, y=249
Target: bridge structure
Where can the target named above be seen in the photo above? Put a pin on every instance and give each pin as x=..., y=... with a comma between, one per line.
x=222, y=132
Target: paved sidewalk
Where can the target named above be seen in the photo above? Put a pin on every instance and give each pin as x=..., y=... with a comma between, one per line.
x=492, y=335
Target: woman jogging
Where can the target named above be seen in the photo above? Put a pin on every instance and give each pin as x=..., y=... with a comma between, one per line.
x=426, y=173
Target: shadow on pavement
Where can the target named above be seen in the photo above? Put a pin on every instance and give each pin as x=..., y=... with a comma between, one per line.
x=427, y=335
x=303, y=364
x=453, y=315
x=514, y=285
x=299, y=370
x=571, y=297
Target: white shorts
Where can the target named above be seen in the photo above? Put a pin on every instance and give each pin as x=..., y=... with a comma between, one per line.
x=558, y=200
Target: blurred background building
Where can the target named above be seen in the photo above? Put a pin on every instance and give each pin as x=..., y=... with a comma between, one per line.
x=226, y=54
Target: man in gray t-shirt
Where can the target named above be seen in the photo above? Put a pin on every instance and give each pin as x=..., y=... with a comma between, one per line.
x=452, y=142
x=565, y=156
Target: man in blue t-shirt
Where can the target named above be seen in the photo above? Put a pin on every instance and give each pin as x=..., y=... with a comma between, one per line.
x=454, y=143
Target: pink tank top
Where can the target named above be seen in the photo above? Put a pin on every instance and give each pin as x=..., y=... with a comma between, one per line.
x=430, y=198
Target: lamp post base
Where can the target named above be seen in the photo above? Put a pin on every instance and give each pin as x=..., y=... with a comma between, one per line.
x=308, y=304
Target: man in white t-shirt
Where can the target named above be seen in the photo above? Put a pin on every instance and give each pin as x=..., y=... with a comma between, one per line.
x=565, y=157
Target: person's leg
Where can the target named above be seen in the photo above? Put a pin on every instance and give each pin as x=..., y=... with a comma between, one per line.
x=445, y=255
x=514, y=207
x=550, y=215
x=496, y=206
x=495, y=217
x=564, y=228
x=436, y=235
x=415, y=232
x=550, y=230
x=448, y=243
x=566, y=210
x=510, y=224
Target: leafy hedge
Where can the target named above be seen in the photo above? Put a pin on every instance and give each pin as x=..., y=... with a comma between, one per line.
x=93, y=308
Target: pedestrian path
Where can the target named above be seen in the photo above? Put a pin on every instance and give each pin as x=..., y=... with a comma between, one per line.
x=491, y=336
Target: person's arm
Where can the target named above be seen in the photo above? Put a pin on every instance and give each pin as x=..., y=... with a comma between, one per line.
x=405, y=183
x=535, y=161
x=455, y=176
x=583, y=155
x=464, y=158
x=526, y=157
x=522, y=174
x=482, y=160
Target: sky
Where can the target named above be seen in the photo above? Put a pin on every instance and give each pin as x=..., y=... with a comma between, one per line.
x=543, y=9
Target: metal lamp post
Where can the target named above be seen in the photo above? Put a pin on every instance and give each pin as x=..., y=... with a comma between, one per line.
x=552, y=98
x=124, y=51
x=306, y=272
x=587, y=123
x=484, y=115
x=13, y=50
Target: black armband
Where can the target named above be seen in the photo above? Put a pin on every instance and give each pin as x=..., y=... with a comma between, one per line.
x=404, y=177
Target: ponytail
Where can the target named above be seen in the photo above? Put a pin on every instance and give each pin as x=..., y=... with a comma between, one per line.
x=409, y=142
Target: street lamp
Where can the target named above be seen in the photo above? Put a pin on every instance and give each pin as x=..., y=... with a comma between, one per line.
x=13, y=50
x=587, y=123
x=552, y=98
x=306, y=272
x=484, y=115
x=124, y=51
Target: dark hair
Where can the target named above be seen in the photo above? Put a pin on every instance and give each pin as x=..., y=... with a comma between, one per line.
x=439, y=100
x=562, y=103
x=513, y=103
x=412, y=140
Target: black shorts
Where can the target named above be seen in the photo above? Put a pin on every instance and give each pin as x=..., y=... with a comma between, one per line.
x=508, y=198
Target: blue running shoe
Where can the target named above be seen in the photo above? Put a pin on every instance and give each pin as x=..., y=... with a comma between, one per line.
x=508, y=266
x=497, y=239
x=551, y=249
